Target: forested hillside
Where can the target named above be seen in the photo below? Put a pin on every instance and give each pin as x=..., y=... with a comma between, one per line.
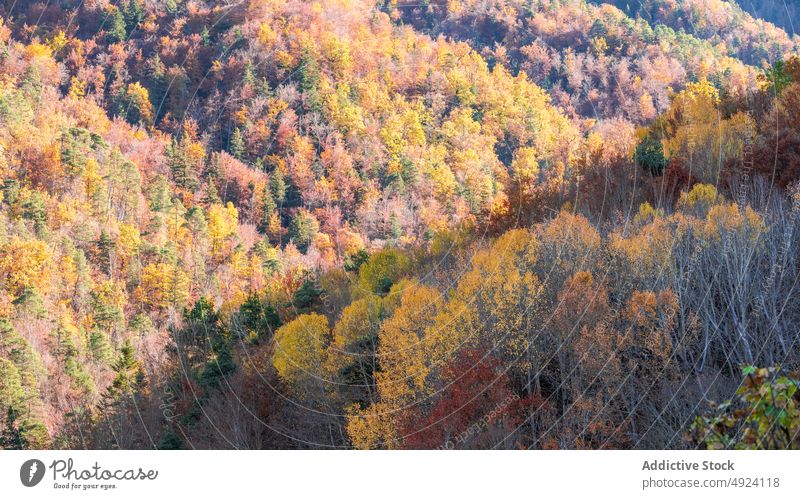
x=722, y=23
x=390, y=224
x=779, y=12
x=594, y=59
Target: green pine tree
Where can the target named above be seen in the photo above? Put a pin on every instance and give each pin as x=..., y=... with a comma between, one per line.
x=277, y=186
x=115, y=27
x=134, y=15
x=268, y=208
x=649, y=155
x=128, y=375
x=237, y=146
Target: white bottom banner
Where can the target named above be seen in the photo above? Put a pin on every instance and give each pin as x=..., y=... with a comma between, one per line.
x=350, y=474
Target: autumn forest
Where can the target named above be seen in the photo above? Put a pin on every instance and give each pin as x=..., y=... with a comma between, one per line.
x=399, y=224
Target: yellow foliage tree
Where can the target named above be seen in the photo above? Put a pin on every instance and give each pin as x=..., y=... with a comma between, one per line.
x=24, y=264
x=223, y=222
x=404, y=360
x=300, y=351
x=163, y=285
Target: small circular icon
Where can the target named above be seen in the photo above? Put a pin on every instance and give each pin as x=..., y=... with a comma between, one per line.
x=31, y=472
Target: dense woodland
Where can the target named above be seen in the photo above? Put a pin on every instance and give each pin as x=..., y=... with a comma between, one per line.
x=513, y=224
x=780, y=12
